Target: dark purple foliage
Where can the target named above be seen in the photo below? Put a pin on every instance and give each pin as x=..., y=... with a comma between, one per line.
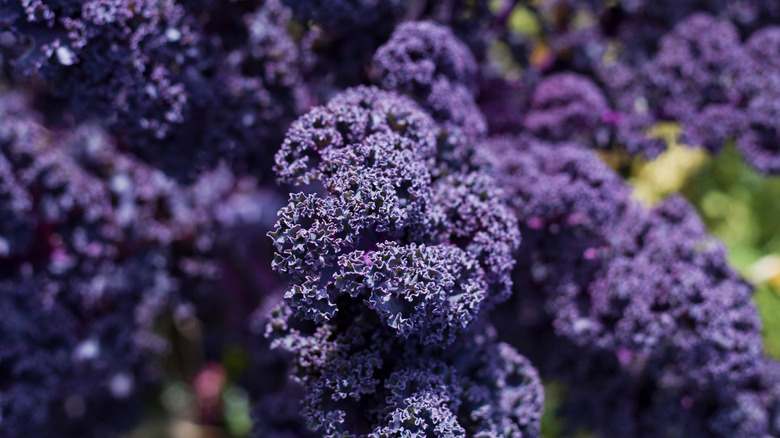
x=428, y=63
x=648, y=283
x=760, y=141
x=647, y=296
x=203, y=226
x=276, y=398
x=453, y=106
x=696, y=66
x=195, y=82
x=363, y=380
x=97, y=246
x=419, y=54
x=659, y=62
x=79, y=292
x=504, y=104
x=690, y=80
x=345, y=16
x=714, y=125
x=639, y=25
x=611, y=400
x=72, y=44
x=393, y=255
x=569, y=107
x=555, y=185
x=758, y=137
x=393, y=298
x=670, y=289
x=699, y=78
x=632, y=114
x=374, y=154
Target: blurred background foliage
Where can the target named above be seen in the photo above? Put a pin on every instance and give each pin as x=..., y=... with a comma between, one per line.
x=740, y=206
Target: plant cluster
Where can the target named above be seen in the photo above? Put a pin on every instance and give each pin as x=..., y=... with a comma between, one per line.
x=393, y=235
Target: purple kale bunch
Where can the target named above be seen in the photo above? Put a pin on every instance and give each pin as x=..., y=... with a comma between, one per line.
x=637, y=26
x=555, y=186
x=718, y=89
x=697, y=66
x=184, y=86
x=419, y=54
x=203, y=226
x=428, y=63
x=569, y=107
x=374, y=153
x=691, y=80
x=79, y=295
x=250, y=92
x=337, y=60
x=563, y=196
x=758, y=143
x=393, y=297
x=393, y=257
x=658, y=17
x=105, y=55
x=364, y=381
x=640, y=302
x=684, y=63
x=98, y=245
x=606, y=398
x=668, y=295
x=755, y=128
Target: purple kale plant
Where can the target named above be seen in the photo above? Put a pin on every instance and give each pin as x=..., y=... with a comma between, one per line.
x=643, y=301
x=98, y=246
x=393, y=260
x=706, y=66
x=419, y=54
x=428, y=63
x=185, y=86
x=569, y=107
x=121, y=49
x=79, y=302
